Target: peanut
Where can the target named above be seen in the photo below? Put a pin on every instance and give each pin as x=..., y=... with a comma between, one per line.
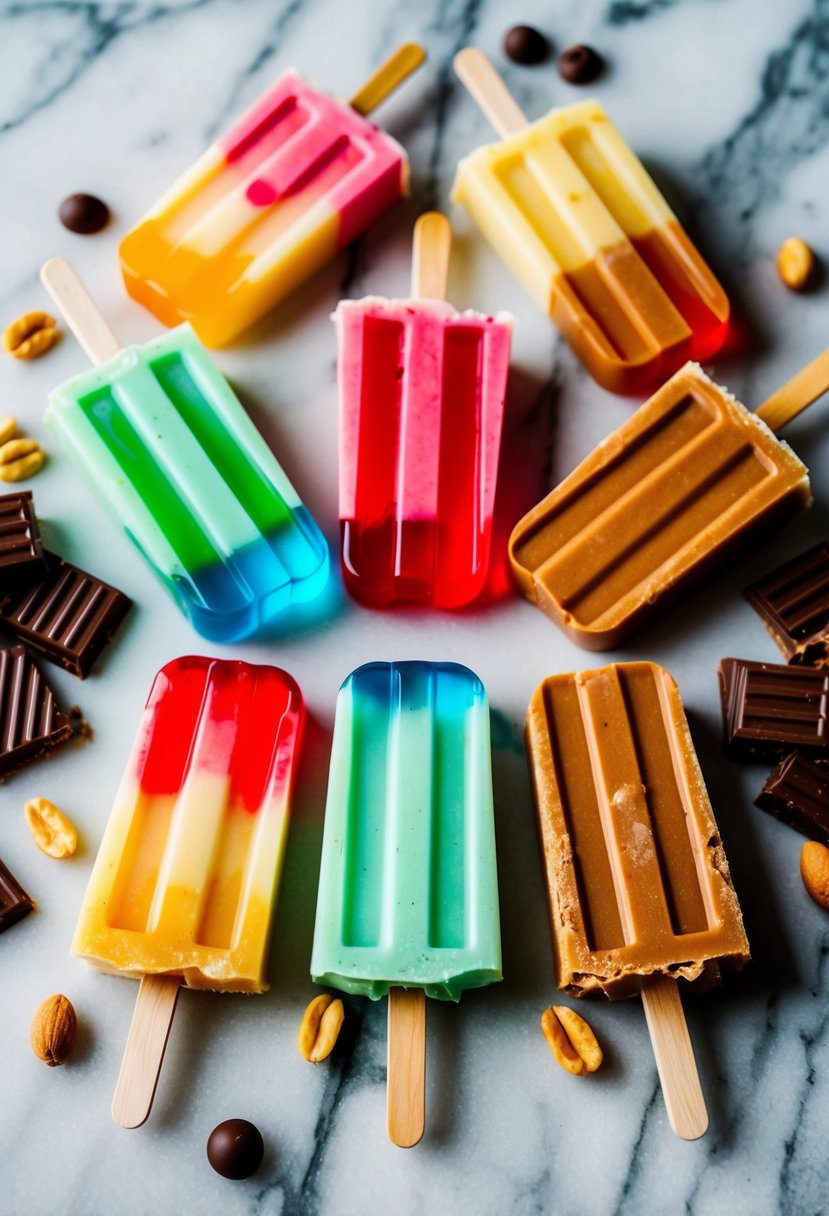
x=52, y=1033
x=54, y=834
x=30, y=335
x=20, y=458
x=320, y=1027
x=814, y=870
x=572, y=1042
x=8, y=428
x=796, y=264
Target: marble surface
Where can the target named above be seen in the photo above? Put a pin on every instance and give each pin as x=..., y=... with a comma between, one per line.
x=727, y=102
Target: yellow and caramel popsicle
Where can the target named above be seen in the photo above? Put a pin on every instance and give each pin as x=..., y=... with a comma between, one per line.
x=570, y=208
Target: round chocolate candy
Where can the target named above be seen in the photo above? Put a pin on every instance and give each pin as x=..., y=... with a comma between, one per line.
x=580, y=64
x=235, y=1149
x=83, y=213
x=524, y=44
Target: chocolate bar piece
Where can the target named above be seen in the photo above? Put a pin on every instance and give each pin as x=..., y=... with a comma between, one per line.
x=68, y=616
x=14, y=902
x=794, y=604
x=21, y=549
x=30, y=721
x=770, y=709
x=797, y=793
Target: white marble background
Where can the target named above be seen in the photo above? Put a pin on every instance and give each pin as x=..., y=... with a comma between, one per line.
x=727, y=101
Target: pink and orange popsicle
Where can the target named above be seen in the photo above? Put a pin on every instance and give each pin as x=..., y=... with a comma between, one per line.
x=296, y=179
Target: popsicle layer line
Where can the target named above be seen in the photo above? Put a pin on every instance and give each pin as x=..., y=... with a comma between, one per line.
x=187, y=872
x=295, y=179
x=160, y=434
x=571, y=209
x=638, y=881
x=408, y=890
x=668, y=495
x=422, y=390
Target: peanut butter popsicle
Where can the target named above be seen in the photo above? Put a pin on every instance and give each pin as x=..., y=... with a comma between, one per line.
x=639, y=888
x=688, y=480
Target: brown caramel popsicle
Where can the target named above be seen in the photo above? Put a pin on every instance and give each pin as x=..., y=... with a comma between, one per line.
x=639, y=888
x=681, y=485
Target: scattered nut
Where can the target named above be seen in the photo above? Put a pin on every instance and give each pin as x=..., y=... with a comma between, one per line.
x=54, y=834
x=571, y=1040
x=8, y=428
x=30, y=335
x=53, y=1030
x=796, y=264
x=814, y=870
x=320, y=1027
x=20, y=458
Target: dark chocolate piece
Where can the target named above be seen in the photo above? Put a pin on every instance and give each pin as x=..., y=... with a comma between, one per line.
x=30, y=721
x=580, y=64
x=770, y=709
x=14, y=902
x=21, y=550
x=526, y=45
x=793, y=602
x=83, y=213
x=235, y=1149
x=797, y=793
x=69, y=616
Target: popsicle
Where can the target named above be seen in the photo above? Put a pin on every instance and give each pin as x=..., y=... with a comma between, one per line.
x=186, y=876
x=295, y=180
x=422, y=390
x=571, y=210
x=683, y=484
x=159, y=434
x=408, y=892
x=639, y=889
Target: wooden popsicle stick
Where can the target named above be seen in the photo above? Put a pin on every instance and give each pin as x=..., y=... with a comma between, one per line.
x=430, y=256
x=811, y=382
x=674, y=1054
x=144, y=1051
x=406, y=1076
x=397, y=68
x=79, y=310
x=490, y=92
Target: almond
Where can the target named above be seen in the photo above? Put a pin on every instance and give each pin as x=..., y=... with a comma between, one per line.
x=570, y=1039
x=814, y=870
x=52, y=1034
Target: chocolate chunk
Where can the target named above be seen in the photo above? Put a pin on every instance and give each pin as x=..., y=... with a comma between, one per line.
x=526, y=45
x=793, y=602
x=30, y=721
x=580, y=64
x=797, y=793
x=68, y=616
x=83, y=213
x=14, y=902
x=770, y=709
x=21, y=550
x=235, y=1149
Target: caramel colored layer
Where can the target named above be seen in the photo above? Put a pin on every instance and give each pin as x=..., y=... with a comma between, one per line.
x=639, y=310
x=638, y=882
x=658, y=504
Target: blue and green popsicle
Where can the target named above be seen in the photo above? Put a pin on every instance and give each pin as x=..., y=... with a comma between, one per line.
x=408, y=892
x=160, y=435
